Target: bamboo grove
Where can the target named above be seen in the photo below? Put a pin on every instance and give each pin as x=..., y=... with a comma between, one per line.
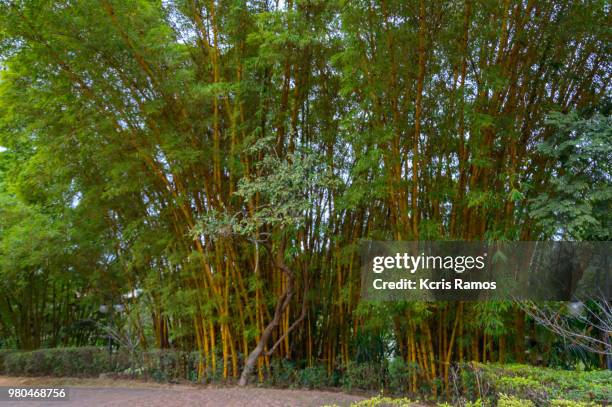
x=131, y=127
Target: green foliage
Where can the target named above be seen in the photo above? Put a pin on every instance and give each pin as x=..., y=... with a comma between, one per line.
x=314, y=377
x=507, y=385
x=492, y=315
x=543, y=385
x=572, y=403
x=578, y=204
x=282, y=373
x=283, y=186
x=152, y=146
x=400, y=374
x=3, y=354
x=382, y=401
x=160, y=365
x=511, y=401
x=363, y=376
x=75, y=362
x=172, y=366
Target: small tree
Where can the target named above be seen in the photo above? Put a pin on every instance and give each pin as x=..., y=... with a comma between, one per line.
x=279, y=197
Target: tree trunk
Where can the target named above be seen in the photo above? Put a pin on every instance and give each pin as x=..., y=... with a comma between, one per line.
x=281, y=306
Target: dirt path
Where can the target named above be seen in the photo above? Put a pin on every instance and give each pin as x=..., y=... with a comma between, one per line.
x=108, y=392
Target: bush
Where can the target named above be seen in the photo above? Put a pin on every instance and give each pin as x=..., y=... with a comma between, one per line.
x=504, y=385
x=511, y=401
x=363, y=376
x=314, y=377
x=160, y=365
x=77, y=362
x=381, y=401
x=400, y=373
x=282, y=373
x=3, y=354
x=571, y=403
x=542, y=386
x=166, y=365
x=163, y=365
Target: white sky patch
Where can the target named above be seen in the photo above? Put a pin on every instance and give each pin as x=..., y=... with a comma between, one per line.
x=2, y=149
x=135, y=293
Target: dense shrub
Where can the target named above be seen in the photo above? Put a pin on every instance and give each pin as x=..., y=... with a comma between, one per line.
x=163, y=365
x=283, y=373
x=363, y=376
x=314, y=377
x=543, y=386
x=3, y=354
x=400, y=373
x=511, y=401
x=160, y=365
x=166, y=365
x=80, y=362
x=381, y=401
x=477, y=384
